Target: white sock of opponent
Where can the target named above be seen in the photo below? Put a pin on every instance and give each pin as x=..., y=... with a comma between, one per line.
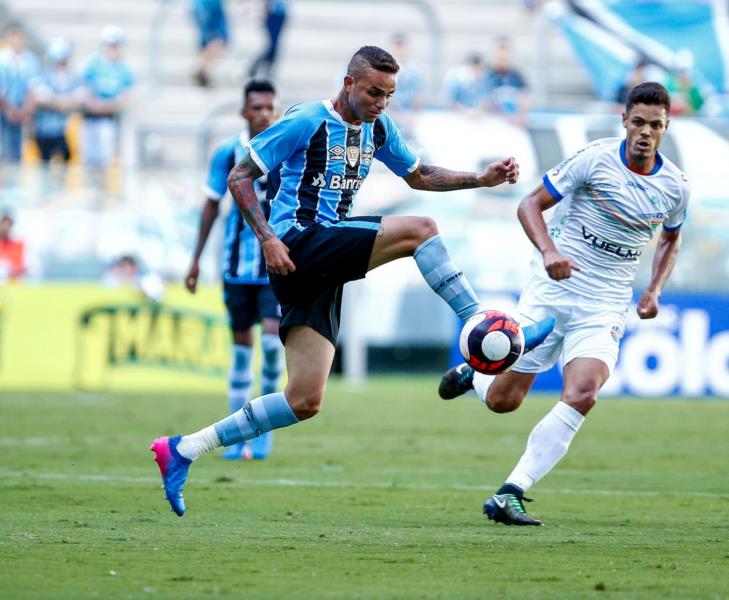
x=481, y=384
x=547, y=444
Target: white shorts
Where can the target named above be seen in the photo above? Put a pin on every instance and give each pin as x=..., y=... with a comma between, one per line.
x=586, y=327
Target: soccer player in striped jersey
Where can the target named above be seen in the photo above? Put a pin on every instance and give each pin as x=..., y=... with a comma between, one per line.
x=246, y=290
x=313, y=245
x=611, y=197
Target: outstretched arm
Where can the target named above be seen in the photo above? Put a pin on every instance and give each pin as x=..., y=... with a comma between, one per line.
x=532, y=220
x=240, y=184
x=439, y=179
x=663, y=262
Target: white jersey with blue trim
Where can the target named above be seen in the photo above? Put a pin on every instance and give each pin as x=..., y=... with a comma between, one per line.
x=243, y=260
x=607, y=213
x=324, y=161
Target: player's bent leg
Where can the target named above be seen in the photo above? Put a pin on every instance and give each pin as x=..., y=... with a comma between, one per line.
x=418, y=237
x=399, y=237
x=583, y=378
x=505, y=392
x=309, y=357
x=551, y=437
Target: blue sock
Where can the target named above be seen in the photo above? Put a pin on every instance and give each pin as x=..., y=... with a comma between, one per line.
x=240, y=377
x=261, y=446
x=447, y=281
x=258, y=416
x=272, y=362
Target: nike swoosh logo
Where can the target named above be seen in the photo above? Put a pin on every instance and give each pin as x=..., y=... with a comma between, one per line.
x=459, y=369
x=500, y=502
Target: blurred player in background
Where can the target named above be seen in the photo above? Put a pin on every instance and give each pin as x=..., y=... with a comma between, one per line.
x=611, y=197
x=247, y=293
x=313, y=246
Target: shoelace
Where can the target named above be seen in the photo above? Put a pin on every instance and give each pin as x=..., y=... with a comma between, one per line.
x=517, y=503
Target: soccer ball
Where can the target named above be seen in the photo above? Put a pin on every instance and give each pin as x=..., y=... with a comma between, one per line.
x=491, y=342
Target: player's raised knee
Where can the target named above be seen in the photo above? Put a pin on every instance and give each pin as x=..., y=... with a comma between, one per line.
x=427, y=228
x=305, y=403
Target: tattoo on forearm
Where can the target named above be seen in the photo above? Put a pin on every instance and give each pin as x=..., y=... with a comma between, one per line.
x=240, y=184
x=438, y=179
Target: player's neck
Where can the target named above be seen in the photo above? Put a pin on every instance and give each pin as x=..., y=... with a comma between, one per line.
x=643, y=167
x=342, y=106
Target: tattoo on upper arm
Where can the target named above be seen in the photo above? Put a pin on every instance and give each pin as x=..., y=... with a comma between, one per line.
x=438, y=179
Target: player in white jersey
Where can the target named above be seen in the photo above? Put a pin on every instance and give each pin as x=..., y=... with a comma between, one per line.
x=610, y=199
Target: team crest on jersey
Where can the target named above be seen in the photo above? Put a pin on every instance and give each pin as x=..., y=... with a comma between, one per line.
x=616, y=333
x=336, y=152
x=368, y=152
x=352, y=155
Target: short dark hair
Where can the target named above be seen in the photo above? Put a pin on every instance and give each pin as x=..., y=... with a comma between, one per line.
x=257, y=85
x=649, y=92
x=372, y=56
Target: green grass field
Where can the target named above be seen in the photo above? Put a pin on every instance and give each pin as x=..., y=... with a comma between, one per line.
x=378, y=497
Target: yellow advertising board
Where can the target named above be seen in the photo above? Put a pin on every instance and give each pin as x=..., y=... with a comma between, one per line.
x=67, y=336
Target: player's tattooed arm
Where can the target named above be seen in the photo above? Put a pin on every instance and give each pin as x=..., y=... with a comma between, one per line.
x=240, y=184
x=439, y=179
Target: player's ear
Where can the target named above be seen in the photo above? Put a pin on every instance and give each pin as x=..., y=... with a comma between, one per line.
x=625, y=120
x=348, y=82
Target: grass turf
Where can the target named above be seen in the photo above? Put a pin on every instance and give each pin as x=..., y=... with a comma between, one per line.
x=379, y=496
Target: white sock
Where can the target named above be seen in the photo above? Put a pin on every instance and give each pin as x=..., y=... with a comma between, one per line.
x=482, y=383
x=547, y=444
x=196, y=444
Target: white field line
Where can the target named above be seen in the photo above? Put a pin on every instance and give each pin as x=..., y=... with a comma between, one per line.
x=302, y=483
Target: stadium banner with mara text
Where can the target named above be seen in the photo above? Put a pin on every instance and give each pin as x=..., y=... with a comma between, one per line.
x=87, y=337
x=684, y=351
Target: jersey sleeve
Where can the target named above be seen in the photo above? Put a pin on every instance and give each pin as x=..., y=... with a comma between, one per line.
x=570, y=174
x=281, y=140
x=221, y=163
x=678, y=215
x=394, y=152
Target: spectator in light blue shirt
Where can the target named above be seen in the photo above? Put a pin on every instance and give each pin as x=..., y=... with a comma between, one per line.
x=465, y=85
x=108, y=82
x=57, y=93
x=17, y=67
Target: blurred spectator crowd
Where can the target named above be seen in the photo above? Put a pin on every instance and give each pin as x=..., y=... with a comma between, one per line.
x=41, y=98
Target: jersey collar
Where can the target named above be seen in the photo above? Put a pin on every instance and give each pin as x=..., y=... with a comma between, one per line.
x=330, y=108
x=653, y=171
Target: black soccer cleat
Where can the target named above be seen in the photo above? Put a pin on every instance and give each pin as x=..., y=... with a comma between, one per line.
x=509, y=510
x=456, y=381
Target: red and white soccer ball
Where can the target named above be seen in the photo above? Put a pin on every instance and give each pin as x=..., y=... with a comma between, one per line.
x=491, y=342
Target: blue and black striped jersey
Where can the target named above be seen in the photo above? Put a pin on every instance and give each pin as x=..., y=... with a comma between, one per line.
x=242, y=257
x=324, y=161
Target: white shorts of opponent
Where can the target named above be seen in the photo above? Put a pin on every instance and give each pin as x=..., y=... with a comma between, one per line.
x=586, y=326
